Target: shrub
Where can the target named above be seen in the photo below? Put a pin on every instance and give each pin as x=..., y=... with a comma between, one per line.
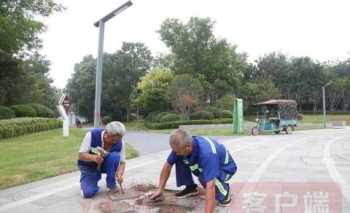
x=106, y=119
x=24, y=110
x=226, y=114
x=20, y=126
x=157, y=116
x=169, y=117
x=6, y=113
x=216, y=112
x=152, y=117
x=201, y=115
x=176, y=124
x=43, y=111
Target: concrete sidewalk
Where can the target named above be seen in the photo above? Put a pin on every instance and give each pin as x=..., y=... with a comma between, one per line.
x=62, y=193
x=317, y=156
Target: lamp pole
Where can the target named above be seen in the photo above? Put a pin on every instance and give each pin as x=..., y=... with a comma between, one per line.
x=324, y=103
x=98, y=90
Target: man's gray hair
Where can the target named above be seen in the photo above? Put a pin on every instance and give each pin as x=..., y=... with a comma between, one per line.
x=180, y=138
x=115, y=128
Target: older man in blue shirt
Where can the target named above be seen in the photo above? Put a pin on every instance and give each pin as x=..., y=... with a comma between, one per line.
x=92, y=165
x=205, y=158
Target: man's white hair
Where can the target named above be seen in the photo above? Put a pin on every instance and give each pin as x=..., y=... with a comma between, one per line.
x=180, y=138
x=115, y=128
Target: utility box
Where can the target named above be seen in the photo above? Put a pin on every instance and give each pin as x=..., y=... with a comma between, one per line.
x=238, y=116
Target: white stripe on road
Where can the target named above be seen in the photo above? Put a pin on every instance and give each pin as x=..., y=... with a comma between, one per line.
x=76, y=184
x=57, y=190
x=251, y=183
x=332, y=170
x=262, y=168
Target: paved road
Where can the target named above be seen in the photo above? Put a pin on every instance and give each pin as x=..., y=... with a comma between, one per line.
x=309, y=163
x=148, y=142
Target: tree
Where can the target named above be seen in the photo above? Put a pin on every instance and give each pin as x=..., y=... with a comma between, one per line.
x=277, y=68
x=196, y=51
x=153, y=89
x=259, y=90
x=226, y=102
x=26, y=82
x=185, y=93
x=309, y=77
x=124, y=71
x=24, y=72
x=19, y=29
x=121, y=72
x=81, y=87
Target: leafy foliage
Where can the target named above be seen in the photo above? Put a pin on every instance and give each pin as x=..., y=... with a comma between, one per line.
x=43, y=111
x=20, y=126
x=121, y=73
x=185, y=93
x=153, y=90
x=24, y=110
x=6, y=113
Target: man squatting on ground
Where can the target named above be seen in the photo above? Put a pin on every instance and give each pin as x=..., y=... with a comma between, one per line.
x=91, y=165
x=205, y=158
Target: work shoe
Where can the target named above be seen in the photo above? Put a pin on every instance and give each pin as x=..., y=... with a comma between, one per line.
x=227, y=200
x=189, y=191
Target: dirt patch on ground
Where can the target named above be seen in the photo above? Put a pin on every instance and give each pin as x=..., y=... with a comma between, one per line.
x=136, y=199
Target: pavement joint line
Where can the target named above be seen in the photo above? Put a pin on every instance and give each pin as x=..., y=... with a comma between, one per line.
x=54, y=191
x=76, y=184
x=262, y=168
x=333, y=171
x=45, y=194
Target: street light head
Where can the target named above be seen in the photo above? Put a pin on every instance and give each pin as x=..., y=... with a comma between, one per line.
x=122, y=8
x=329, y=83
x=114, y=13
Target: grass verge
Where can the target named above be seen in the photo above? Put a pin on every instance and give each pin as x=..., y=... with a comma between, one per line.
x=40, y=155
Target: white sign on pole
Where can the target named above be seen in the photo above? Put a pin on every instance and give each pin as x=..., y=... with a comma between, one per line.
x=63, y=108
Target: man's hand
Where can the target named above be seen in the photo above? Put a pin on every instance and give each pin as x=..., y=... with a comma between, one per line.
x=156, y=194
x=210, y=197
x=119, y=178
x=98, y=159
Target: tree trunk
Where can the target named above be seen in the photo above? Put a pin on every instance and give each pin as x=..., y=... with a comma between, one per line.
x=315, y=107
x=127, y=115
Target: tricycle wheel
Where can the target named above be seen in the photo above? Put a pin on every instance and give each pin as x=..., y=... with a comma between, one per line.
x=289, y=129
x=254, y=131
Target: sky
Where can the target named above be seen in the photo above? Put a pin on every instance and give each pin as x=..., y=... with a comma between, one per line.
x=316, y=28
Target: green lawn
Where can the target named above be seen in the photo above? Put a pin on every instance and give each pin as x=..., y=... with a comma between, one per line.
x=319, y=118
x=135, y=125
x=36, y=156
x=309, y=122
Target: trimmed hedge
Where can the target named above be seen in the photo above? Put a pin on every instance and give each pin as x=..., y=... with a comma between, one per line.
x=226, y=114
x=176, y=124
x=24, y=110
x=107, y=119
x=202, y=115
x=162, y=117
x=21, y=126
x=153, y=116
x=6, y=113
x=43, y=111
x=170, y=117
x=216, y=111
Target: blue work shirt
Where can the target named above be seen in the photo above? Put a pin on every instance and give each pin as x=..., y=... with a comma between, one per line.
x=208, y=159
